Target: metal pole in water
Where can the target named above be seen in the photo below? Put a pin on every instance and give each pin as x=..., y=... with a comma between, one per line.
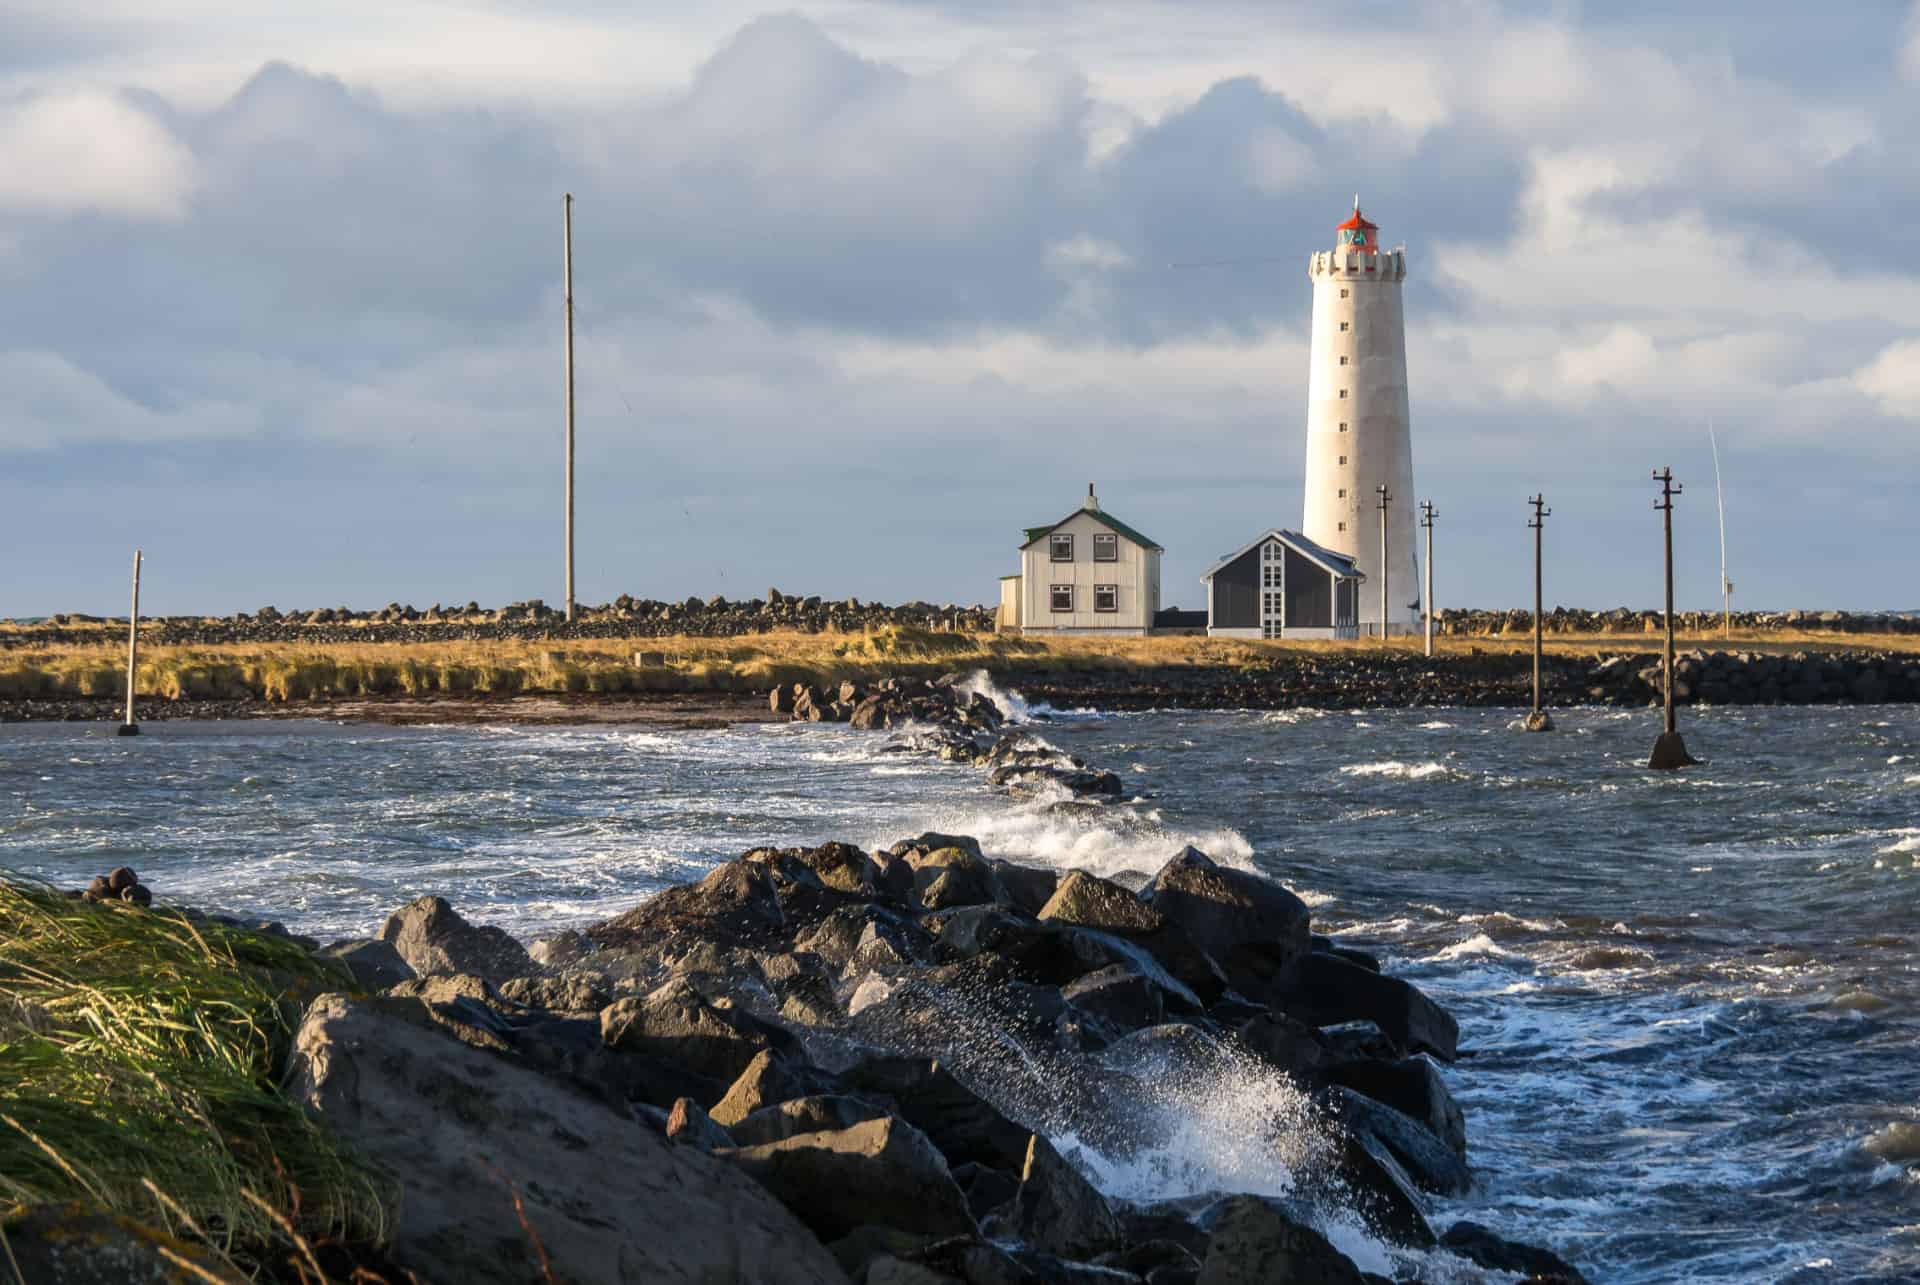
x=129, y=727
x=1537, y=720
x=1669, y=751
x=566, y=211
x=1386, y=498
x=1427, y=515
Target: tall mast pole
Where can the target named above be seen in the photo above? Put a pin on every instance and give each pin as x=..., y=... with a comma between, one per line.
x=1537, y=720
x=1720, y=499
x=1427, y=515
x=129, y=727
x=566, y=216
x=1386, y=498
x=1669, y=751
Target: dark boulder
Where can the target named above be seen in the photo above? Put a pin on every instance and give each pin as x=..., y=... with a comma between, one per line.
x=677, y=1025
x=1413, y=1086
x=880, y=1172
x=1255, y=1242
x=1057, y=1210
x=735, y=903
x=1253, y=928
x=1429, y=1162
x=1327, y=991
x=1474, y=1242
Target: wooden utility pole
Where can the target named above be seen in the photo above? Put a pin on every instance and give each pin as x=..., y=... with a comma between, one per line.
x=1427, y=515
x=1537, y=720
x=129, y=727
x=566, y=218
x=1386, y=499
x=1669, y=751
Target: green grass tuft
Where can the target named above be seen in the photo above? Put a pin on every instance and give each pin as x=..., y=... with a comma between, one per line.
x=138, y=1060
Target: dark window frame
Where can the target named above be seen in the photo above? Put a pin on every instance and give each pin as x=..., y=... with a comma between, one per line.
x=1053, y=597
x=1111, y=542
x=1057, y=542
x=1113, y=591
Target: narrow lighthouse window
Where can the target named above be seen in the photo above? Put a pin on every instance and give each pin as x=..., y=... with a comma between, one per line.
x=1343, y=392
x=1343, y=425
x=1343, y=459
x=1343, y=361
x=1343, y=292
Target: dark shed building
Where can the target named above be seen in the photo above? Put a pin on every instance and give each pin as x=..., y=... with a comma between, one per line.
x=1283, y=585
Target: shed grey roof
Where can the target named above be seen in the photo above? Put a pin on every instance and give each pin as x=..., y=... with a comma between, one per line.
x=1326, y=559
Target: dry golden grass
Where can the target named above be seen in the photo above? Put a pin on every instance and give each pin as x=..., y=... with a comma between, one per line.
x=292, y=672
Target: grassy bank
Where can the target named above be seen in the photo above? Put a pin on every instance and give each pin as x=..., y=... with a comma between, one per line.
x=289, y=673
x=138, y=1056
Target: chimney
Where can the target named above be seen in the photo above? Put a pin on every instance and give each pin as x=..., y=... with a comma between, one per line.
x=1093, y=501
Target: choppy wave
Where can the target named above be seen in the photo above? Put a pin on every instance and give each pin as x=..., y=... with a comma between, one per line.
x=1397, y=770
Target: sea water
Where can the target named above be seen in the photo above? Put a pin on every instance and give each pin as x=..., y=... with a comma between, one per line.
x=1688, y=1002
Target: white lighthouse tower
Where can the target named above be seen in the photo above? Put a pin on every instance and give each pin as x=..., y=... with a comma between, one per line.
x=1358, y=436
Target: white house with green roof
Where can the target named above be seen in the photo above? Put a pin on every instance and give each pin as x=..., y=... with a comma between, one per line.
x=1088, y=573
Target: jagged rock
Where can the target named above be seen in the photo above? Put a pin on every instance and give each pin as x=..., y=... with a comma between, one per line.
x=881, y=1172
x=376, y=965
x=1089, y=901
x=1421, y=1154
x=765, y=1082
x=1253, y=928
x=815, y=1113
x=954, y=876
x=433, y=938
x=1410, y=1085
x=491, y=1155
x=1255, y=1243
x=1291, y=1046
x=1058, y=1211
x=1472, y=1241
x=961, y=1123
x=677, y=1025
x=560, y=950
x=1119, y=995
x=1326, y=991
x=689, y=1125
x=1157, y=1262
x=735, y=903
x=1030, y=887
x=557, y=993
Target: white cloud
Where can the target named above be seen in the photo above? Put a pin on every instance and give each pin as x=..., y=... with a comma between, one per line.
x=1893, y=379
x=95, y=152
x=47, y=402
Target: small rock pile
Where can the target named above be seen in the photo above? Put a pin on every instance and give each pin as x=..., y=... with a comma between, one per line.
x=118, y=884
x=889, y=703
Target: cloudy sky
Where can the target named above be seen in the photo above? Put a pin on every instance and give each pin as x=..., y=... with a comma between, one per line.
x=865, y=287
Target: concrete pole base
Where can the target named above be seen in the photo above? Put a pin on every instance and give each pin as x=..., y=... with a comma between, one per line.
x=128, y=729
x=1539, y=721
x=1670, y=752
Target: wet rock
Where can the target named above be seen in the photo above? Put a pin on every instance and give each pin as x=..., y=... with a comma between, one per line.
x=375, y=965
x=1157, y=1262
x=1420, y=1154
x=961, y=1123
x=880, y=1172
x=986, y=1188
x=1254, y=1242
x=121, y=878
x=765, y=1082
x=491, y=1155
x=1118, y=995
x=1057, y=1210
x=1291, y=1046
x=1472, y=1241
x=433, y=938
x=1029, y=887
x=1089, y=901
x=1412, y=1086
x=1253, y=928
x=954, y=876
x=1327, y=990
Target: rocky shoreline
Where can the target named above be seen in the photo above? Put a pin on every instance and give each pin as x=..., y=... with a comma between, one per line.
x=898, y=1067
x=1289, y=681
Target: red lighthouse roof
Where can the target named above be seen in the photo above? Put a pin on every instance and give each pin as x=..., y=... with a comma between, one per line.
x=1358, y=220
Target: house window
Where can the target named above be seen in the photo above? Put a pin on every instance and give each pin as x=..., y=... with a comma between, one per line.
x=1106, y=597
x=1343, y=395
x=1346, y=325
x=1062, y=547
x=1343, y=361
x=1106, y=547
x=1062, y=596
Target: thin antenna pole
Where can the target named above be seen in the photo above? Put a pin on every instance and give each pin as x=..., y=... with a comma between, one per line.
x=129, y=727
x=1720, y=498
x=1386, y=498
x=566, y=214
x=1427, y=515
x=1539, y=524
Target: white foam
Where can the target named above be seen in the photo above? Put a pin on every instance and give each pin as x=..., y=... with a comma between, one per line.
x=1103, y=841
x=1908, y=840
x=1478, y=944
x=1017, y=708
x=1435, y=726
x=1396, y=770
